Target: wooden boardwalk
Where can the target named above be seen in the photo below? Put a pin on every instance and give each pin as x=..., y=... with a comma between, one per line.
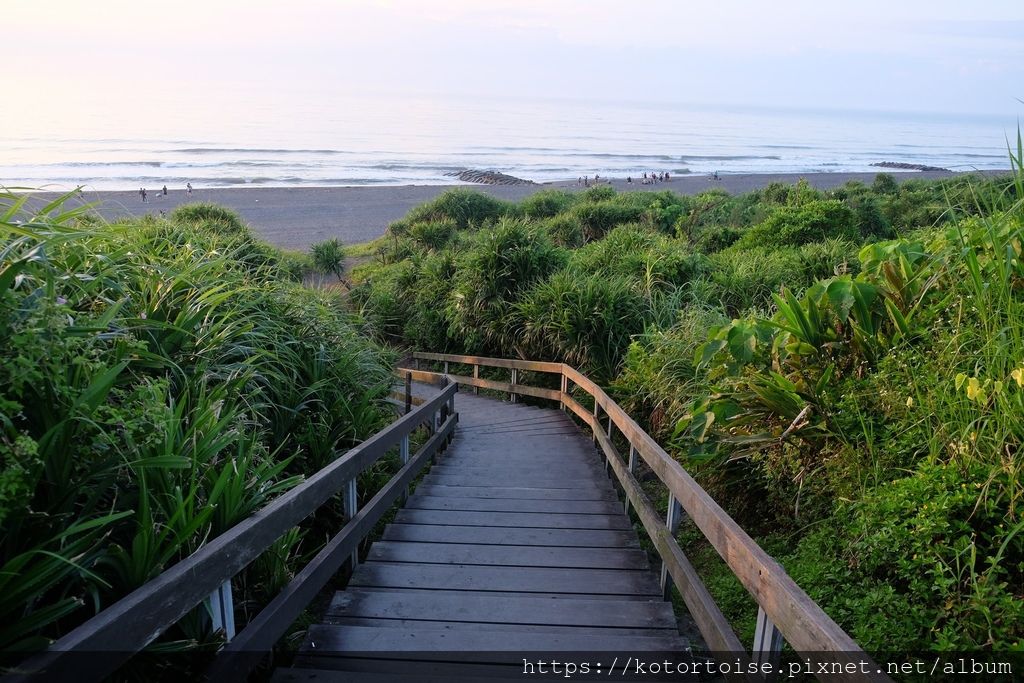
x=513, y=543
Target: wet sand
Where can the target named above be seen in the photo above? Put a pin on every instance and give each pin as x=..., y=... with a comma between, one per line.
x=295, y=218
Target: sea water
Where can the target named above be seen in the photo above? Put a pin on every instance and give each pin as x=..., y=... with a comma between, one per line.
x=251, y=139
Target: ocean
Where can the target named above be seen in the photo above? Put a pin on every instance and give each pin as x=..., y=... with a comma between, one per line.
x=388, y=140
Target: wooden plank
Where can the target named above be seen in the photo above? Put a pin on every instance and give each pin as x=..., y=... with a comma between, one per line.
x=527, y=482
x=523, y=472
x=414, y=672
x=518, y=520
x=140, y=617
x=270, y=624
x=507, y=555
x=579, y=507
x=516, y=595
x=521, y=579
x=527, y=610
x=494, y=535
x=513, y=492
x=356, y=669
x=417, y=625
x=356, y=639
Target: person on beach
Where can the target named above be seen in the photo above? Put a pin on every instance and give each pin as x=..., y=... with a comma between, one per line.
x=165, y=191
x=666, y=176
x=629, y=179
x=579, y=181
x=188, y=189
x=143, y=194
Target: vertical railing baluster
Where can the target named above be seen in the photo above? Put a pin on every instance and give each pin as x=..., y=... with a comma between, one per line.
x=631, y=466
x=515, y=380
x=351, y=508
x=672, y=519
x=565, y=390
x=403, y=455
x=767, y=643
x=446, y=367
x=408, y=392
x=222, y=610
x=476, y=375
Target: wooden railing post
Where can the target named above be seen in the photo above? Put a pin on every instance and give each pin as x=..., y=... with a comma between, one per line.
x=408, y=392
x=631, y=467
x=476, y=375
x=767, y=644
x=672, y=519
x=351, y=497
x=565, y=390
x=515, y=380
x=403, y=455
x=446, y=367
x=222, y=610
x=597, y=418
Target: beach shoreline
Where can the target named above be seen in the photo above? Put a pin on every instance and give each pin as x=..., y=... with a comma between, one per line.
x=297, y=217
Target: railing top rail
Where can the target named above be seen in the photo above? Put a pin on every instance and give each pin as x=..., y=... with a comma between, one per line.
x=140, y=617
x=531, y=365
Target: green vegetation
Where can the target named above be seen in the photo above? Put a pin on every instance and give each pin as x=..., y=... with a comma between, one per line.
x=160, y=380
x=329, y=257
x=843, y=370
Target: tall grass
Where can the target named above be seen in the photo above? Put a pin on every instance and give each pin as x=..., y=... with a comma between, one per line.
x=161, y=380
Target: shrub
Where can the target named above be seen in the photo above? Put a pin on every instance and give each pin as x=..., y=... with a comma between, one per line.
x=812, y=221
x=547, y=203
x=501, y=264
x=212, y=217
x=329, y=257
x=645, y=259
x=587, y=321
x=467, y=208
x=598, y=217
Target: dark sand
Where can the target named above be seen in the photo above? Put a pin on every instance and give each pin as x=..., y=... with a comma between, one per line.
x=295, y=218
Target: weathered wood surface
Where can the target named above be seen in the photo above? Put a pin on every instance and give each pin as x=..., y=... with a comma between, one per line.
x=515, y=542
x=805, y=626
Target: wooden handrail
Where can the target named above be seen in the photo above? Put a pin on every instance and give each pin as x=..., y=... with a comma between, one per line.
x=783, y=605
x=136, y=620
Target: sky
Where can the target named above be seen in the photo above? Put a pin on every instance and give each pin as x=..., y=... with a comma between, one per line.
x=935, y=56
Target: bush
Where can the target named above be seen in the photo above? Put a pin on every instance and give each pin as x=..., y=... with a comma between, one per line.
x=645, y=259
x=813, y=221
x=598, y=217
x=329, y=257
x=467, y=208
x=211, y=217
x=503, y=263
x=586, y=321
x=547, y=203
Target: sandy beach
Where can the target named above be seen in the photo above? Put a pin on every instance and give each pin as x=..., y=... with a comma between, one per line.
x=295, y=218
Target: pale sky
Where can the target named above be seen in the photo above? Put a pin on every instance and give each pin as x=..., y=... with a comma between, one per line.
x=936, y=56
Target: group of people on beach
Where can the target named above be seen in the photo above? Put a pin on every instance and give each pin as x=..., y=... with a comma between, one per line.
x=585, y=181
x=653, y=177
x=163, y=192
